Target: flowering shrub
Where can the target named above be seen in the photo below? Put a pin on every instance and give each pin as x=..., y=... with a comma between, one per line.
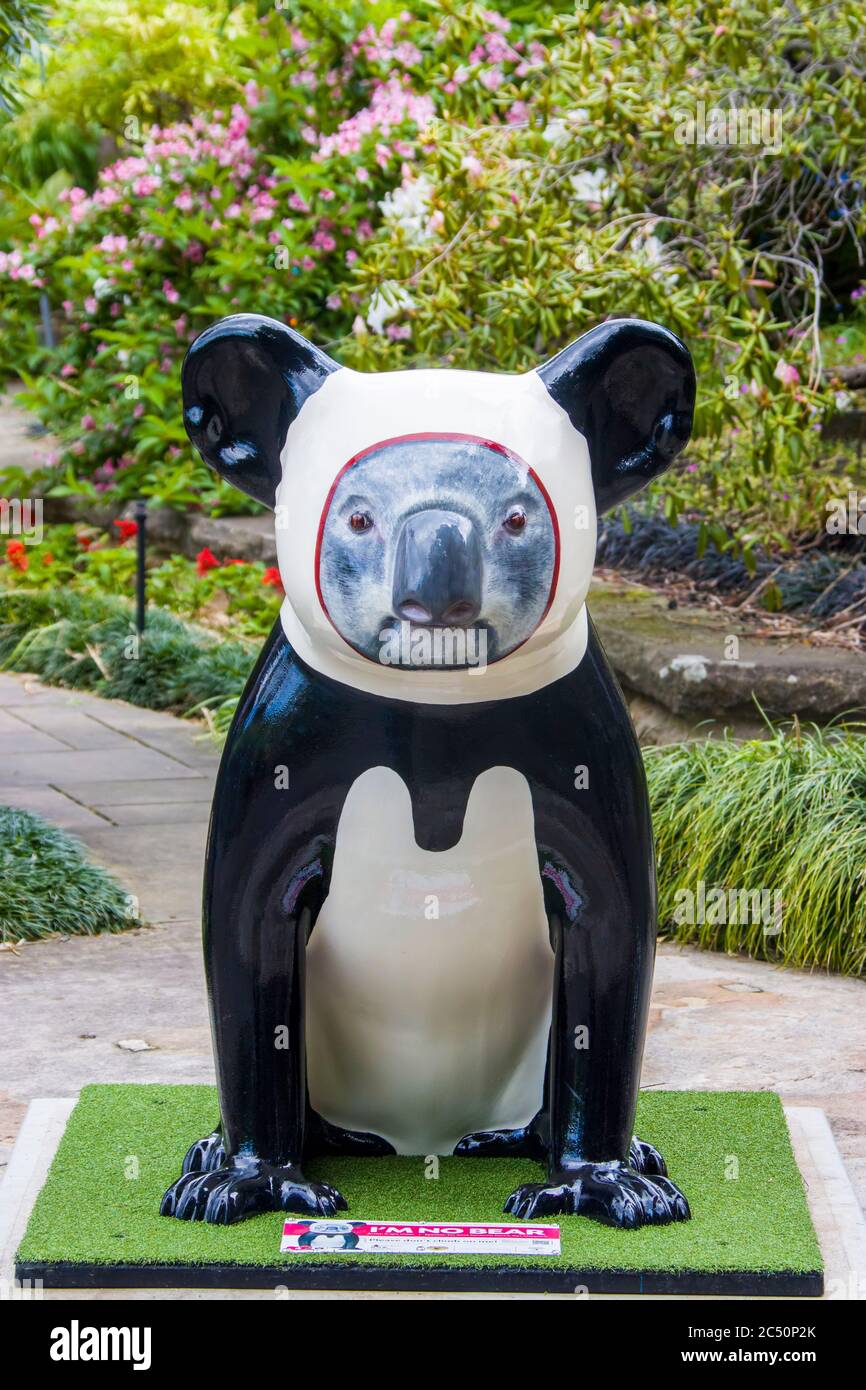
x=204, y=217
x=470, y=188
x=232, y=595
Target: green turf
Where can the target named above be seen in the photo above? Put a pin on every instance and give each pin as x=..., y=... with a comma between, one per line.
x=728, y=1150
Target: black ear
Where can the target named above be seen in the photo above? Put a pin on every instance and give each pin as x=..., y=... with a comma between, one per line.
x=244, y=380
x=629, y=387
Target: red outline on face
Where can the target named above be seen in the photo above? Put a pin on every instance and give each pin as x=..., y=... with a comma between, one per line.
x=440, y=435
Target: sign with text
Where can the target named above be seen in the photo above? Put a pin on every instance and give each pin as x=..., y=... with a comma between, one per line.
x=419, y=1237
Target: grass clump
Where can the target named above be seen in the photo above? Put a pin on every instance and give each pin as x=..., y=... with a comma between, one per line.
x=784, y=817
x=47, y=885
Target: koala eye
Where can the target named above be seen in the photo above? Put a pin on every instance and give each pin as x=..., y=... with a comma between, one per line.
x=515, y=520
x=360, y=521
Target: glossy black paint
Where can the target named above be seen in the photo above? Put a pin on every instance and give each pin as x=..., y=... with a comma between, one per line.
x=269, y=860
x=629, y=387
x=244, y=380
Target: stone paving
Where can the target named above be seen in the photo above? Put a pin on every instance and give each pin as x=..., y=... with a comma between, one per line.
x=135, y=787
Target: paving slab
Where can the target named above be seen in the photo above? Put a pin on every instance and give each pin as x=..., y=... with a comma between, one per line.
x=89, y=765
x=161, y=791
x=55, y=806
x=134, y=785
x=23, y=443
x=64, y=722
x=159, y=813
x=27, y=740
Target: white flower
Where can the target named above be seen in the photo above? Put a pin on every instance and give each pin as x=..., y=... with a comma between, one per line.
x=591, y=186
x=102, y=288
x=843, y=400
x=388, y=303
x=408, y=208
x=647, y=247
x=562, y=126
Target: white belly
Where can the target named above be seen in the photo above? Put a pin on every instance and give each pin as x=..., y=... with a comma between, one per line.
x=422, y=1027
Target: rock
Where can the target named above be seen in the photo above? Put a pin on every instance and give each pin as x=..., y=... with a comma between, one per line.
x=134, y=1045
x=677, y=659
x=233, y=537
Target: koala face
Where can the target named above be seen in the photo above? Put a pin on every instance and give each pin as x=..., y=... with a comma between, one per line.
x=437, y=521
x=452, y=537
x=331, y=1228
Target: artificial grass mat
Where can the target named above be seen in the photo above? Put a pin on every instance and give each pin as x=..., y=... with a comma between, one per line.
x=728, y=1150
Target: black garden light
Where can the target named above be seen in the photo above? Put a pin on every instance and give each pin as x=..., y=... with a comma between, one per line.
x=140, y=514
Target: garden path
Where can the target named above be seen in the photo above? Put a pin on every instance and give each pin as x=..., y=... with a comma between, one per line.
x=135, y=786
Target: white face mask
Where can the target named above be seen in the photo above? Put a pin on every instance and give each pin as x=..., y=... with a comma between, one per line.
x=352, y=413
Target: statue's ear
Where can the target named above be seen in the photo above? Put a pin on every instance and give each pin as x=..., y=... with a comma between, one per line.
x=629, y=387
x=244, y=381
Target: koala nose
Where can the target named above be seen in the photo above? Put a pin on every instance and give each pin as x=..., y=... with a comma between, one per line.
x=437, y=570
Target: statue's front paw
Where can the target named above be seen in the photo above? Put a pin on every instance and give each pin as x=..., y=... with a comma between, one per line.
x=244, y=1187
x=608, y=1192
x=643, y=1158
x=205, y=1154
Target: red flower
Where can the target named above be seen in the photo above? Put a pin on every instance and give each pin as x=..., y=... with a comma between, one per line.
x=84, y=540
x=126, y=528
x=206, y=560
x=48, y=558
x=234, y=562
x=272, y=576
x=16, y=556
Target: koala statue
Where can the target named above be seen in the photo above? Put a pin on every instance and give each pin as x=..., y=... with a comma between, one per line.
x=430, y=901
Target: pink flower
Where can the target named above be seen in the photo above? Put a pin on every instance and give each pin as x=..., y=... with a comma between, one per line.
x=90, y=305
x=147, y=184
x=786, y=373
x=67, y=369
x=491, y=78
x=88, y=422
x=170, y=292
